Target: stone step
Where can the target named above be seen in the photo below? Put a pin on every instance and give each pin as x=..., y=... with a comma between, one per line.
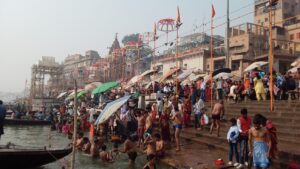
x=287, y=151
x=280, y=163
x=286, y=135
x=288, y=139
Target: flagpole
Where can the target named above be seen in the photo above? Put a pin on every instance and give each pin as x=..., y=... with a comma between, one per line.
x=74, y=126
x=154, y=46
x=211, y=57
x=271, y=55
x=178, y=24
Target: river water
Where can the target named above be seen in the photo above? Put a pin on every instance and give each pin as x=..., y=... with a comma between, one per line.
x=37, y=136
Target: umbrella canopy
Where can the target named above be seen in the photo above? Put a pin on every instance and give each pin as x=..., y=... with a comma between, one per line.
x=296, y=63
x=105, y=87
x=185, y=74
x=134, y=80
x=223, y=70
x=71, y=96
x=223, y=75
x=186, y=82
x=61, y=95
x=110, y=109
x=170, y=73
x=194, y=77
x=255, y=65
x=148, y=72
x=90, y=87
x=82, y=93
x=294, y=69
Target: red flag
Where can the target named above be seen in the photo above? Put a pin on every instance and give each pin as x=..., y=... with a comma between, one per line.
x=213, y=12
x=178, y=20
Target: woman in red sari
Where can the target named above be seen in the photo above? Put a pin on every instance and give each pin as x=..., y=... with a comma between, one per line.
x=187, y=110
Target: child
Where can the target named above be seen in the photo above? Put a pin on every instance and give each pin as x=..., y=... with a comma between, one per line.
x=232, y=137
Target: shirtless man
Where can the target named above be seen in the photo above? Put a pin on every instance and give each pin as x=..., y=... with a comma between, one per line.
x=150, y=145
x=151, y=163
x=177, y=119
x=130, y=149
x=160, y=148
x=86, y=145
x=148, y=124
x=104, y=155
x=216, y=114
x=141, y=127
x=259, y=146
x=79, y=141
x=94, y=152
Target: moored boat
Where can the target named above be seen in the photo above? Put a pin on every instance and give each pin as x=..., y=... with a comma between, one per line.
x=24, y=157
x=25, y=122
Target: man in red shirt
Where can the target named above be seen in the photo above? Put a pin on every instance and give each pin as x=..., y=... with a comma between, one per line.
x=244, y=124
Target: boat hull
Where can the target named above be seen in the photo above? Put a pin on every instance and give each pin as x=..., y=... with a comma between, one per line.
x=26, y=122
x=29, y=158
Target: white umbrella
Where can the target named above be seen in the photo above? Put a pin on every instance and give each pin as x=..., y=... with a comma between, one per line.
x=185, y=74
x=223, y=75
x=71, y=96
x=296, y=63
x=110, y=109
x=90, y=87
x=61, y=95
x=255, y=65
x=148, y=72
x=194, y=77
x=134, y=80
x=294, y=69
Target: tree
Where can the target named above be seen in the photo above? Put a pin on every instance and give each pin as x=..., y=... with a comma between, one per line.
x=130, y=38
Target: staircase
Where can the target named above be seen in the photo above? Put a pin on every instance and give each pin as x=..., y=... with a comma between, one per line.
x=286, y=118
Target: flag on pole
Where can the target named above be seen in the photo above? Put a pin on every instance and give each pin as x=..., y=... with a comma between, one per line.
x=213, y=12
x=178, y=18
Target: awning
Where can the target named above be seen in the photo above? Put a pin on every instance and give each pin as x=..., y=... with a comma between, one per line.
x=110, y=109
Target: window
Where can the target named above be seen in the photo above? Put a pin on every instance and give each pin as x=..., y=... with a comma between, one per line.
x=298, y=35
x=266, y=19
x=291, y=36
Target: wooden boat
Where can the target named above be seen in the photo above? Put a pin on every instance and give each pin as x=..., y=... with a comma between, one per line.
x=26, y=122
x=24, y=157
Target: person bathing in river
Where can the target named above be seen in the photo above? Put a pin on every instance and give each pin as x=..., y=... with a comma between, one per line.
x=79, y=141
x=94, y=150
x=105, y=155
x=130, y=149
x=86, y=145
x=150, y=145
x=151, y=162
x=160, y=148
x=141, y=127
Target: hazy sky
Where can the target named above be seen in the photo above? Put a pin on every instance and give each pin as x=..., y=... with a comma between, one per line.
x=30, y=29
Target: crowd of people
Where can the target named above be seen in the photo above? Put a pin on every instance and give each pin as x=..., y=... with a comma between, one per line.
x=157, y=127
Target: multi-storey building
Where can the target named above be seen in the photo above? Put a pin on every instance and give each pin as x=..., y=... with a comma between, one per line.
x=76, y=67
